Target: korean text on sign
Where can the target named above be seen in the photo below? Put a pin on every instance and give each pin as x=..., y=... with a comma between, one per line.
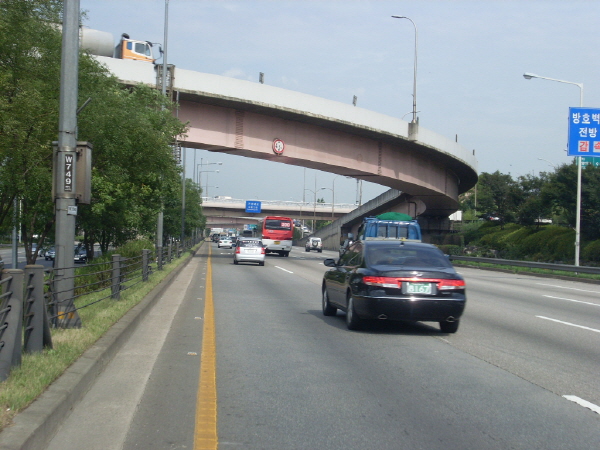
x=584, y=131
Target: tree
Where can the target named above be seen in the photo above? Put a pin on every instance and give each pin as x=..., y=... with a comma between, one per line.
x=496, y=196
x=29, y=74
x=560, y=194
x=134, y=170
x=590, y=203
x=194, y=219
x=131, y=130
x=528, y=201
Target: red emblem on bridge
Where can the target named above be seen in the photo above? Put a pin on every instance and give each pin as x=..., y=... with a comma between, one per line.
x=278, y=146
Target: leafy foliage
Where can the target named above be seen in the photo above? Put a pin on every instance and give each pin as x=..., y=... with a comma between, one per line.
x=132, y=130
x=29, y=75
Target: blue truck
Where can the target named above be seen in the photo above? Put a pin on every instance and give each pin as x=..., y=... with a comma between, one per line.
x=386, y=226
x=390, y=226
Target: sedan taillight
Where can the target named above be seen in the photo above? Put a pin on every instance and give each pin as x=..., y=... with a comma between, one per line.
x=263, y=251
x=237, y=249
x=448, y=285
x=396, y=282
x=388, y=282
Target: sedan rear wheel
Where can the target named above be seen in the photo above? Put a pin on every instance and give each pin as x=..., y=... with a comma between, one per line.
x=328, y=309
x=449, y=327
x=353, y=322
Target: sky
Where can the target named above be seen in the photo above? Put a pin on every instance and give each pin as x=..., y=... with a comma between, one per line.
x=471, y=57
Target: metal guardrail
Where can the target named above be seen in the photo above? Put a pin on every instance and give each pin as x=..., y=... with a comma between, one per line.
x=27, y=313
x=530, y=264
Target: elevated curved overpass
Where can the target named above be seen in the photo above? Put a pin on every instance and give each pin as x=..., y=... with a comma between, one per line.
x=245, y=118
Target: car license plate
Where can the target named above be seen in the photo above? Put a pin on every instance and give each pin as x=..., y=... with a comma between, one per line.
x=251, y=250
x=277, y=242
x=418, y=288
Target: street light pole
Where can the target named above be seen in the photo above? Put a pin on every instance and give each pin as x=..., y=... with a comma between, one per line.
x=332, y=199
x=197, y=173
x=414, y=111
x=207, y=172
x=314, y=206
x=183, y=198
x=553, y=165
x=529, y=76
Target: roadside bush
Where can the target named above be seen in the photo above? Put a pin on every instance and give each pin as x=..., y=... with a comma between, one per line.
x=512, y=242
x=474, y=231
x=451, y=249
x=591, y=252
x=497, y=238
x=549, y=244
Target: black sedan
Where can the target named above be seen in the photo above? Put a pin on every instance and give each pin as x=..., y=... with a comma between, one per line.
x=394, y=280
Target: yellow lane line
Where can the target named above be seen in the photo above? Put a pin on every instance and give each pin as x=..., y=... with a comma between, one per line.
x=205, y=436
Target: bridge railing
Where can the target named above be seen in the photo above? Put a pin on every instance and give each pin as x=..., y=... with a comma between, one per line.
x=292, y=204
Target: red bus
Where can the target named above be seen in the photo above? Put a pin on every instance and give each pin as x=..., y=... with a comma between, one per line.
x=277, y=233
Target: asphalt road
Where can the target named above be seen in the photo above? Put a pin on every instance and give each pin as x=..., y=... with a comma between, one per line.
x=6, y=255
x=289, y=378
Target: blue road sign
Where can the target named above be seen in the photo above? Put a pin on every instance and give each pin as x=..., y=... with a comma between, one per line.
x=253, y=206
x=584, y=132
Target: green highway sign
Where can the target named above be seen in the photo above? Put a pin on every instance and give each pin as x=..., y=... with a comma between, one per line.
x=590, y=160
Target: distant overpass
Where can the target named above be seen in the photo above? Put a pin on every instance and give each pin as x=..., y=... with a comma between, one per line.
x=260, y=121
x=231, y=211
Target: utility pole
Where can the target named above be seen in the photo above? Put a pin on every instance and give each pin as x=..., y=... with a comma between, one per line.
x=159, y=225
x=65, y=156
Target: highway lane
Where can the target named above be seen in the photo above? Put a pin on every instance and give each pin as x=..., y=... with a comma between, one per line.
x=544, y=330
x=290, y=378
x=6, y=255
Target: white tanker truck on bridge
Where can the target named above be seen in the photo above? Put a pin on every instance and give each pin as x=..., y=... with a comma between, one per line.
x=101, y=43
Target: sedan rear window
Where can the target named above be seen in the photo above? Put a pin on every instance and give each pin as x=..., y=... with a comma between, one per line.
x=242, y=243
x=399, y=256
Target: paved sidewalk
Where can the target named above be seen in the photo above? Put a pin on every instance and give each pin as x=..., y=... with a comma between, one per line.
x=34, y=427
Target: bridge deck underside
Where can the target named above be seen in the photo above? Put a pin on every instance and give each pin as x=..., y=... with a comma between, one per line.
x=422, y=172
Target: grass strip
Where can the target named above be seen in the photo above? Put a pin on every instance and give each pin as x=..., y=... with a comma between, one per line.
x=529, y=271
x=39, y=370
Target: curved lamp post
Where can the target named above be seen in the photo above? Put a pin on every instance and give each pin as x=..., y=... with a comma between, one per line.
x=314, y=207
x=553, y=165
x=200, y=164
x=332, y=199
x=529, y=76
x=414, y=111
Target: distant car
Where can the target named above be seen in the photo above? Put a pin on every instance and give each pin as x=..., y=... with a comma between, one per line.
x=80, y=256
x=314, y=243
x=225, y=242
x=36, y=251
x=249, y=250
x=50, y=254
x=391, y=280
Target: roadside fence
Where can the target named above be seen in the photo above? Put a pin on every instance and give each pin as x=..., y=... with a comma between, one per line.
x=30, y=305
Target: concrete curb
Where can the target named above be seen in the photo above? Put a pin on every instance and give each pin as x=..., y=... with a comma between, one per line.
x=34, y=427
